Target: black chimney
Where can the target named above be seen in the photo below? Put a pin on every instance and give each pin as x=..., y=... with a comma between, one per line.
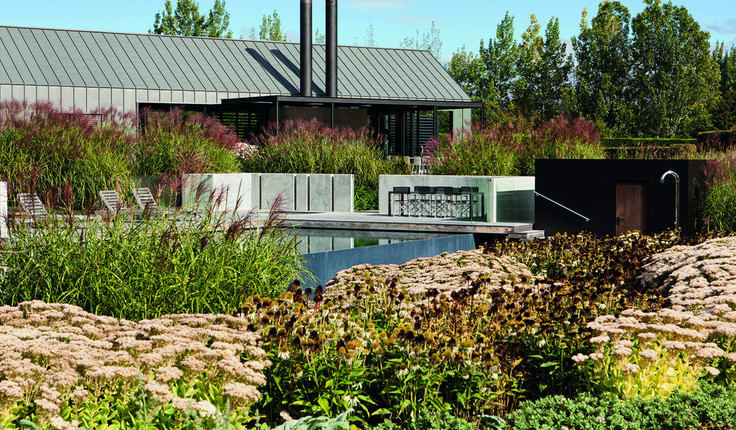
x=305, y=46
x=331, y=17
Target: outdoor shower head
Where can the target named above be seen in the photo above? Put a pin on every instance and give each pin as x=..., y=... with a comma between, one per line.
x=668, y=173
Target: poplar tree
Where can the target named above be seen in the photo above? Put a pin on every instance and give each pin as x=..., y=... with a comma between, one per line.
x=603, y=66
x=186, y=20
x=675, y=79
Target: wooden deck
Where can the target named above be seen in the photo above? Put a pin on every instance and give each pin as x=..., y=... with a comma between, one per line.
x=376, y=221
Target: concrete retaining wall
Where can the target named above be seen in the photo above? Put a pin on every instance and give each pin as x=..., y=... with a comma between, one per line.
x=507, y=198
x=3, y=209
x=258, y=191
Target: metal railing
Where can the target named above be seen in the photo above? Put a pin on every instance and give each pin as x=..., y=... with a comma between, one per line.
x=562, y=206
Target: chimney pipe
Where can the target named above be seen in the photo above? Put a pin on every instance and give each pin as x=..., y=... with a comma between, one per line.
x=331, y=17
x=305, y=46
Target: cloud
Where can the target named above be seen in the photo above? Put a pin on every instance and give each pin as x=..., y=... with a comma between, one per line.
x=728, y=28
x=378, y=5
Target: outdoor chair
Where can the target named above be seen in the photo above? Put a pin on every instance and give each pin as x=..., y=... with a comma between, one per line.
x=146, y=201
x=112, y=201
x=31, y=204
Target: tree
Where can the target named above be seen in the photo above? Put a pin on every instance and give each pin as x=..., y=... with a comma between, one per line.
x=500, y=61
x=186, y=20
x=270, y=29
x=675, y=77
x=430, y=41
x=724, y=113
x=543, y=71
x=370, y=39
x=603, y=54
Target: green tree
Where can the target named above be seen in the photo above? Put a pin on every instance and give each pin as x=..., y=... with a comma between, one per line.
x=469, y=71
x=270, y=29
x=543, y=71
x=430, y=41
x=603, y=57
x=724, y=112
x=186, y=20
x=675, y=77
x=500, y=61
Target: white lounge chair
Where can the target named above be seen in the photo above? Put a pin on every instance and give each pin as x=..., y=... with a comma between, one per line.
x=31, y=204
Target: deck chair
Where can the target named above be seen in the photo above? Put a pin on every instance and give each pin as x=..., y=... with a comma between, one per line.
x=112, y=201
x=145, y=200
x=31, y=204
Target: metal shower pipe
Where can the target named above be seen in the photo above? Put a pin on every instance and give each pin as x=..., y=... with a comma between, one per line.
x=677, y=193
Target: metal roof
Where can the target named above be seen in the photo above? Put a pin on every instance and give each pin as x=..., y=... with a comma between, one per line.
x=37, y=56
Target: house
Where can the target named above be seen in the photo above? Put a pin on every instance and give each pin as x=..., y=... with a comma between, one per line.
x=405, y=95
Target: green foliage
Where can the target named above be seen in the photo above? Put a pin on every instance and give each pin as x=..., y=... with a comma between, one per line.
x=709, y=407
x=148, y=268
x=340, y=422
x=186, y=20
x=270, y=29
x=676, y=79
x=719, y=205
x=429, y=419
x=542, y=71
x=603, y=62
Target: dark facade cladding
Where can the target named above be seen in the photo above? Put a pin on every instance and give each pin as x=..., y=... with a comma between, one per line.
x=616, y=195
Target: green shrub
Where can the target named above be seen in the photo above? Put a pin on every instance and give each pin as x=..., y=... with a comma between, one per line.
x=428, y=419
x=143, y=269
x=719, y=205
x=709, y=407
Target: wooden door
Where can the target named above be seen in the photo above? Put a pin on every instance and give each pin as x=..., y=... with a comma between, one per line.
x=631, y=207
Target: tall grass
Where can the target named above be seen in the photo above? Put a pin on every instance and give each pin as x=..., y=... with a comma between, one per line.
x=66, y=156
x=149, y=268
x=311, y=147
x=719, y=203
x=510, y=148
x=174, y=142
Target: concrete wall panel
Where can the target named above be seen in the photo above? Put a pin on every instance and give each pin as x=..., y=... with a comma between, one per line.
x=320, y=193
x=188, y=97
x=153, y=96
x=274, y=185
x=342, y=186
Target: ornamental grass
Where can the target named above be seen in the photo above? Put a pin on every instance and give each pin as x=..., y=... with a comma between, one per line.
x=509, y=149
x=148, y=267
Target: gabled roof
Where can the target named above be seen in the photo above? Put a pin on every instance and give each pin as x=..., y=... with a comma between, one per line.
x=49, y=57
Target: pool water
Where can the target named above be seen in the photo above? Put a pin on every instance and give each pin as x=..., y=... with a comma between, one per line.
x=312, y=240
